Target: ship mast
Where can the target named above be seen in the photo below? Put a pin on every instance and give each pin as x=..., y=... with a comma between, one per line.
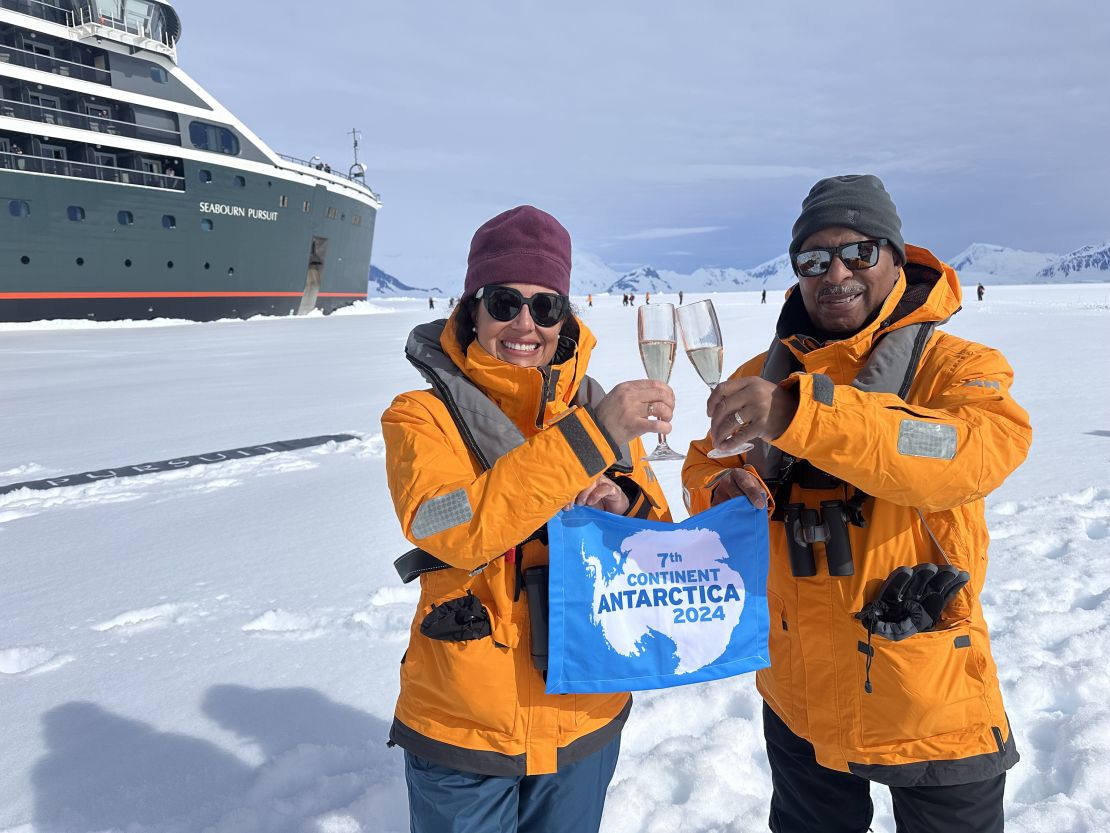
x=357, y=169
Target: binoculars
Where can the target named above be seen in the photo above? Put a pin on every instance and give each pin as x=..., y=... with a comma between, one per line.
x=828, y=526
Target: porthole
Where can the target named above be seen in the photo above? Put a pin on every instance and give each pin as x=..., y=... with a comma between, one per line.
x=206, y=224
x=125, y=218
x=80, y=261
x=127, y=263
x=240, y=181
x=75, y=213
x=207, y=265
x=205, y=175
x=231, y=271
x=25, y=260
x=19, y=208
x=169, y=221
x=169, y=264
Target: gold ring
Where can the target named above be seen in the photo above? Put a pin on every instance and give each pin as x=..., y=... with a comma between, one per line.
x=651, y=409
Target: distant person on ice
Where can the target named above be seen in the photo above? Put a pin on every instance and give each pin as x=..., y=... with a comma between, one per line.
x=486, y=749
x=431, y=302
x=763, y=297
x=878, y=436
x=980, y=290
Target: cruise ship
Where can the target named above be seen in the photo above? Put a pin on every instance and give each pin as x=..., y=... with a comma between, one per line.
x=128, y=191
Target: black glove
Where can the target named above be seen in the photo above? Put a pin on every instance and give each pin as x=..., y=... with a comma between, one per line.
x=911, y=601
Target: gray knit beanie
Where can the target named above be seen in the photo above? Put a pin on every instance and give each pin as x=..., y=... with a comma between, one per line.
x=855, y=201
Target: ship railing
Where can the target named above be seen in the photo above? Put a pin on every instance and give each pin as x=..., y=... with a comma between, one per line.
x=319, y=167
x=86, y=170
x=43, y=10
x=101, y=124
x=58, y=66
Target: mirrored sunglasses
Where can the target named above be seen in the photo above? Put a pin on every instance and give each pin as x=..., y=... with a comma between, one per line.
x=861, y=254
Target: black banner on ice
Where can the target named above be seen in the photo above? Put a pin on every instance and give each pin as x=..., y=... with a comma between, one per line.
x=175, y=463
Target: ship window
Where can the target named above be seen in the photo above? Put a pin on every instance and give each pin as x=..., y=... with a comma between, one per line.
x=240, y=182
x=307, y=206
x=205, y=175
x=80, y=261
x=283, y=201
x=333, y=213
x=126, y=218
x=206, y=224
x=25, y=260
x=159, y=74
x=213, y=137
x=127, y=263
x=169, y=221
x=19, y=208
x=356, y=220
x=75, y=213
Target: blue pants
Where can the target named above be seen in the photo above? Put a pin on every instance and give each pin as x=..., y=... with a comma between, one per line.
x=445, y=800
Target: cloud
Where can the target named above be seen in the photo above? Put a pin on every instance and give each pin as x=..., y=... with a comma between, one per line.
x=661, y=233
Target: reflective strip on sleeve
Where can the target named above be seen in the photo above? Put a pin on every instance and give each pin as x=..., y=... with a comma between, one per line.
x=926, y=439
x=441, y=513
x=823, y=388
x=580, y=443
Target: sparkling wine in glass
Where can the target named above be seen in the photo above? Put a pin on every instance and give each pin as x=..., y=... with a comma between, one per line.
x=701, y=336
x=656, y=333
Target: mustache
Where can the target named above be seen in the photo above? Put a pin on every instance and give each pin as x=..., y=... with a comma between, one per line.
x=852, y=288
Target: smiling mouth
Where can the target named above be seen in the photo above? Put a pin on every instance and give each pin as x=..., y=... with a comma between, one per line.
x=520, y=347
x=839, y=299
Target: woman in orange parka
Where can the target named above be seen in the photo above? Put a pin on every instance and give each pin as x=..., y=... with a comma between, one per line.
x=511, y=432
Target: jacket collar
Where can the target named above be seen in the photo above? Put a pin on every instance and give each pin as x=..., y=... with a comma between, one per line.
x=519, y=391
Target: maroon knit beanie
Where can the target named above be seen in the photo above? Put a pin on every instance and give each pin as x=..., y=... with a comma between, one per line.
x=521, y=245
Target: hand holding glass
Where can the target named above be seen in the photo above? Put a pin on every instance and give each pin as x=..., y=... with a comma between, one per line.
x=657, y=348
x=701, y=336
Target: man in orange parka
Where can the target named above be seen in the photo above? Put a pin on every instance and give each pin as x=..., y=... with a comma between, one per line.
x=877, y=436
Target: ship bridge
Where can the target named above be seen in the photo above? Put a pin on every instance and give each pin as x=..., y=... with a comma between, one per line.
x=137, y=24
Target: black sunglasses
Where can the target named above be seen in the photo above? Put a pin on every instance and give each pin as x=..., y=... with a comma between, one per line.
x=504, y=303
x=862, y=254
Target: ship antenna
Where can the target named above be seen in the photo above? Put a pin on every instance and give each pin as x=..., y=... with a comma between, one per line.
x=357, y=169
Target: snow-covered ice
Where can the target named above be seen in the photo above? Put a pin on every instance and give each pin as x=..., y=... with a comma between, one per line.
x=216, y=648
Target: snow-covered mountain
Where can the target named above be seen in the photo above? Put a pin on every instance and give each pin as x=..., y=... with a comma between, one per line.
x=776, y=273
x=1090, y=263
x=987, y=263
x=644, y=279
x=383, y=283
x=589, y=273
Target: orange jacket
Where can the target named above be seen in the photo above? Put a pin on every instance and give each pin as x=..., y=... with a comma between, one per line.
x=480, y=705
x=935, y=715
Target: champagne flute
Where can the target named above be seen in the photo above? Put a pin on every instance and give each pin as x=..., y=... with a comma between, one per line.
x=701, y=336
x=656, y=333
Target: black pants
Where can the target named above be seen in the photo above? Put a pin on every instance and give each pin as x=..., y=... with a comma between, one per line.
x=810, y=798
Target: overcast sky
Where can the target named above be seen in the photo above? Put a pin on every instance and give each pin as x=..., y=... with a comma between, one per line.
x=678, y=134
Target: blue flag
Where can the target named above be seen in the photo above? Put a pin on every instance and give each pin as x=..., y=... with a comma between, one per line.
x=637, y=604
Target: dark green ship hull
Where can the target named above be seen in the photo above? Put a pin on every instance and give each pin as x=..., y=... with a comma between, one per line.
x=233, y=243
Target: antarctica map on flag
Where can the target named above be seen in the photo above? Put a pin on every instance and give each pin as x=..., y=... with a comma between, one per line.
x=641, y=604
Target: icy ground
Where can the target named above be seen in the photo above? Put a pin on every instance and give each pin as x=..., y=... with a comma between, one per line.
x=215, y=649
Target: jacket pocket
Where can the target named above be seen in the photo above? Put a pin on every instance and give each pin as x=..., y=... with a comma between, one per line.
x=776, y=682
x=929, y=684
x=461, y=685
